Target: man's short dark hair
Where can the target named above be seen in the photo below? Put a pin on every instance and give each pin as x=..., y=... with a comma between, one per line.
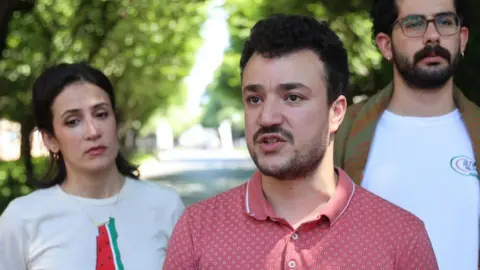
x=282, y=34
x=385, y=12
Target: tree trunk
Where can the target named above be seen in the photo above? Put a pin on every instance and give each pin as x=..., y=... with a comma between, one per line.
x=25, y=148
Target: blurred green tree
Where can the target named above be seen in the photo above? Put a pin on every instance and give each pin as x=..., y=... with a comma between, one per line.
x=146, y=47
x=7, y=8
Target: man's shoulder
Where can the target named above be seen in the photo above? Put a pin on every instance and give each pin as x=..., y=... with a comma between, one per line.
x=374, y=100
x=385, y=211
x=343, y=132
x=354, y=109
x=350, y=117
x=225, y=203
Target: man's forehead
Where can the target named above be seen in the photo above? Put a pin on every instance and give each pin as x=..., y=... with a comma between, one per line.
x=424, y=7
x=294, y=66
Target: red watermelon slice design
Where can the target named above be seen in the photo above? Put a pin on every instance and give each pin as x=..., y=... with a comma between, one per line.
x=108, y=254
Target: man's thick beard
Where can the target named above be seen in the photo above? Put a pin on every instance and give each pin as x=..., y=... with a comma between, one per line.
x=424, y=78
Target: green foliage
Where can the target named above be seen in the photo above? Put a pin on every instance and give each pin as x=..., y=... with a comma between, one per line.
x=13, y=179
x=176, y=116
x=226, y=104
x=146, y=47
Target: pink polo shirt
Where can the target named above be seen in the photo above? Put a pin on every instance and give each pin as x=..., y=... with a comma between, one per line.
x=356, y=229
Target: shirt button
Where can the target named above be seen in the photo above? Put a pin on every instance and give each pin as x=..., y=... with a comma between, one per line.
x=294, y=236
x=292, y=264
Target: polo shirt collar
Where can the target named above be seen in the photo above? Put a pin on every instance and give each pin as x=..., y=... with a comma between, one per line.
x=259, y=208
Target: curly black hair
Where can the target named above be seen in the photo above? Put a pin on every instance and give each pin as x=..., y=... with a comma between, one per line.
x=282, y=34
x=384, y=13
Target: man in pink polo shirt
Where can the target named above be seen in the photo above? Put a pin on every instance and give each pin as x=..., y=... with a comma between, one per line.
x=298, y=211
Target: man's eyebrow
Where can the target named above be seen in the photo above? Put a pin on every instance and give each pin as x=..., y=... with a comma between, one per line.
x=286, y=87
x=253, y=88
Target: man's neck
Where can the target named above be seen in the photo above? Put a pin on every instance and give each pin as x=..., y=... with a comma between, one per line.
x=97, y=185
x=408, y=101
x=299, y=200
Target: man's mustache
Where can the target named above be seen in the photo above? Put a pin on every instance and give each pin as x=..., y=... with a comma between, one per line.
x=429, y=50
x=273, y=130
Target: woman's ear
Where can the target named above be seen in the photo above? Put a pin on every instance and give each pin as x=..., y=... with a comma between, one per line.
x=50, y=142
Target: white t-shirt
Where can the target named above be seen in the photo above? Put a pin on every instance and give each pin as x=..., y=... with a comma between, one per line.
x=50, y=229
x=426, y=165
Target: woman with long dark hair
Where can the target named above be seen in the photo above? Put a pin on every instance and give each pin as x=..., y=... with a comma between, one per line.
x=90, y=211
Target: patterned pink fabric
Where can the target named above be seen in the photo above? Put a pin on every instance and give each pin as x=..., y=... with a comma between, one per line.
x=238, y=229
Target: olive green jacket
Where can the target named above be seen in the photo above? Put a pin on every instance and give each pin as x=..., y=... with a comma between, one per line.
x=354, y=138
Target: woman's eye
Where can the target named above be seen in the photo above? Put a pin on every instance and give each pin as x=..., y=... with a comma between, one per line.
x=72, y=122
x=102, y=115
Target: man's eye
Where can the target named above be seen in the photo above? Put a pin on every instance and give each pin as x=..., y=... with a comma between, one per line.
x=294, y=98
x=253, y=100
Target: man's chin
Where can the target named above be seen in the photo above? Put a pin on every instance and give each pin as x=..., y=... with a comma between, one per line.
x=276, y=174
x=427, y=77
x=270, y=162
x=272, y=168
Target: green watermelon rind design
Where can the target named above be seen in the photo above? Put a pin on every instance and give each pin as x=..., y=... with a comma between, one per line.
x=112, y=232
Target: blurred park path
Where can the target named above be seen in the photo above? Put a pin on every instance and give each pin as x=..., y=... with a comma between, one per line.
x=199, y=174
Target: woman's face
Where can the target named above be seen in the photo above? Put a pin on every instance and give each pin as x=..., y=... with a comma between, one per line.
x=85, y=129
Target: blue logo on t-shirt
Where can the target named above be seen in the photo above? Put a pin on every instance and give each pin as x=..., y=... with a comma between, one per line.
x=464, y=166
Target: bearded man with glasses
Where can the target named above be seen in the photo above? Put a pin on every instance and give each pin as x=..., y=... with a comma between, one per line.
x=416, y=143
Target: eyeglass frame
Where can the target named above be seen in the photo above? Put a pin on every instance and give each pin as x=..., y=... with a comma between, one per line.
x=428, y=21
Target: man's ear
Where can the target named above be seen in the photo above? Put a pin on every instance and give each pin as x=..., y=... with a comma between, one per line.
x=464, y=34
x=384, y=44
x=337, y=113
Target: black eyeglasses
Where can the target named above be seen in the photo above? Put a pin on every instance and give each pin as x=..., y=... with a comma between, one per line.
x=447, y=24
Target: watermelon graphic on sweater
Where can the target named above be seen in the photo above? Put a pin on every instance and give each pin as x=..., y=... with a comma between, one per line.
x=108, y=254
